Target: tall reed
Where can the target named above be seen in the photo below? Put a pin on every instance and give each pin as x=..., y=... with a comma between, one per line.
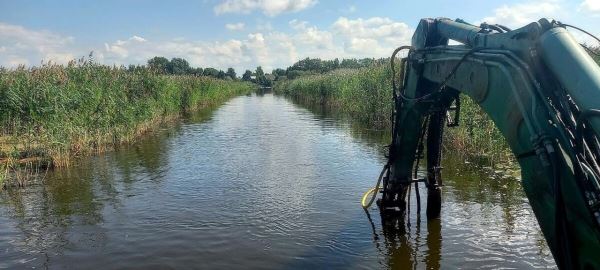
x=53, y=112
x=365, y=95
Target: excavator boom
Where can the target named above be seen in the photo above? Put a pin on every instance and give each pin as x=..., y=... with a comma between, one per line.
x=541, y=89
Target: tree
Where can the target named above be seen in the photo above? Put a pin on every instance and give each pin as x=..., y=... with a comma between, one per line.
x=278, y=72
x=261, y=79
x=196, y=71
x=178, y=66
x=158, y=64
x=231, y=73
x=259, y=71
x=221, y=74
x=247, y=76
x=210, y=72
x=349, y=63
x=135, y=68
x=260, y=75
x=293, y=74
x=366, y=62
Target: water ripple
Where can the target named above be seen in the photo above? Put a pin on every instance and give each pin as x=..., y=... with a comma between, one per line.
x=258, y=183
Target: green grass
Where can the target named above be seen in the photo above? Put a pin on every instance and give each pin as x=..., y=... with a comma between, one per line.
x=362, y=93
x=54, y=113
x=365, y=95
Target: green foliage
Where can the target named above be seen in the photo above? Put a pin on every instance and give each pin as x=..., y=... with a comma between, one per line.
x=178, y=66
x=365, y=95
x=294, y=74
x=261, y=79
x=259, y=72
x=60, y=111
x=211, y=72
x=3, y=175
x=196, y=71
x=362, y=93
x=278, y=72
x=350, y=63
x=317, y=66
x=221, y=75
x=231, y=73
x=477, y=134
x=247, y=76
x=159, y=64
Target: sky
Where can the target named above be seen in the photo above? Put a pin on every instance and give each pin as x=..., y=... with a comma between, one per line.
x=246, y=33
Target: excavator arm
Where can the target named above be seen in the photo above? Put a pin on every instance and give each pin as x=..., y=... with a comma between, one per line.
x=540, y=88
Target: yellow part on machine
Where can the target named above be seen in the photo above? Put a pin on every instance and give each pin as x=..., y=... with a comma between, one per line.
x=363, y=202
x=374, y=190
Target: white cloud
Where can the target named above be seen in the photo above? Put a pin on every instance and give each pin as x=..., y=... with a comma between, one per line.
x=137, y=39
x=13, y=61
x=373, y=27
x=116, y=49
x=590, y=6
x=268, y=7
x=256, y=47
x=521, y=14
x=315, y=37
x=235, y=26
x=119, y=47
x=361, y=45
x=374, y=37
x=298, y=25
x=368, y=37
x=18, y=44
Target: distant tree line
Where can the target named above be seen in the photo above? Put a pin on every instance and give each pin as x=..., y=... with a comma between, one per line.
x=307, y=66
x=310, y=66
x=180, y=66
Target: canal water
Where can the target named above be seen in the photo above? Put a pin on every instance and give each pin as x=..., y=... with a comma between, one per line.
x=259, y=183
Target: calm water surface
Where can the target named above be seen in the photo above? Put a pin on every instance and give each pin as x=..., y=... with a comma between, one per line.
x=259, y=183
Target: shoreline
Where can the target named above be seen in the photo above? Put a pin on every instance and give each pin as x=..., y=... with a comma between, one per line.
x=55, y=114
x=365, y=95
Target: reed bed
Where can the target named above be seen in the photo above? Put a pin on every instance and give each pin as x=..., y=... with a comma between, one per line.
x=362, y=93
x=365, y=95
x=53, y=113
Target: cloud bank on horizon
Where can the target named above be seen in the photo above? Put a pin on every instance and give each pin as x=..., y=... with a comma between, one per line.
x=269, y=33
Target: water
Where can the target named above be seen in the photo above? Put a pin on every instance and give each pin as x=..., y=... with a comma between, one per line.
x=258, y=183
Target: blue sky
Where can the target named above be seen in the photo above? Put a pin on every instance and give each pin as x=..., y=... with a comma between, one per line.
x=245, y=33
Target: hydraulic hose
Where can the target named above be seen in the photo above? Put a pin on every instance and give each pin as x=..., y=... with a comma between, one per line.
x=374, y=190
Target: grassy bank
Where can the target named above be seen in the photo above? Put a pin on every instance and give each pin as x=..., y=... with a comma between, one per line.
x=362, y=93
x=365, y=94
x=50, y=114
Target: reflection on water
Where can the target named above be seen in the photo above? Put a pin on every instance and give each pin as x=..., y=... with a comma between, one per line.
x=259, y=183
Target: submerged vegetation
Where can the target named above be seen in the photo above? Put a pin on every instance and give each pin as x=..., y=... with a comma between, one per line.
x=52, y=113
x=365, y=94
